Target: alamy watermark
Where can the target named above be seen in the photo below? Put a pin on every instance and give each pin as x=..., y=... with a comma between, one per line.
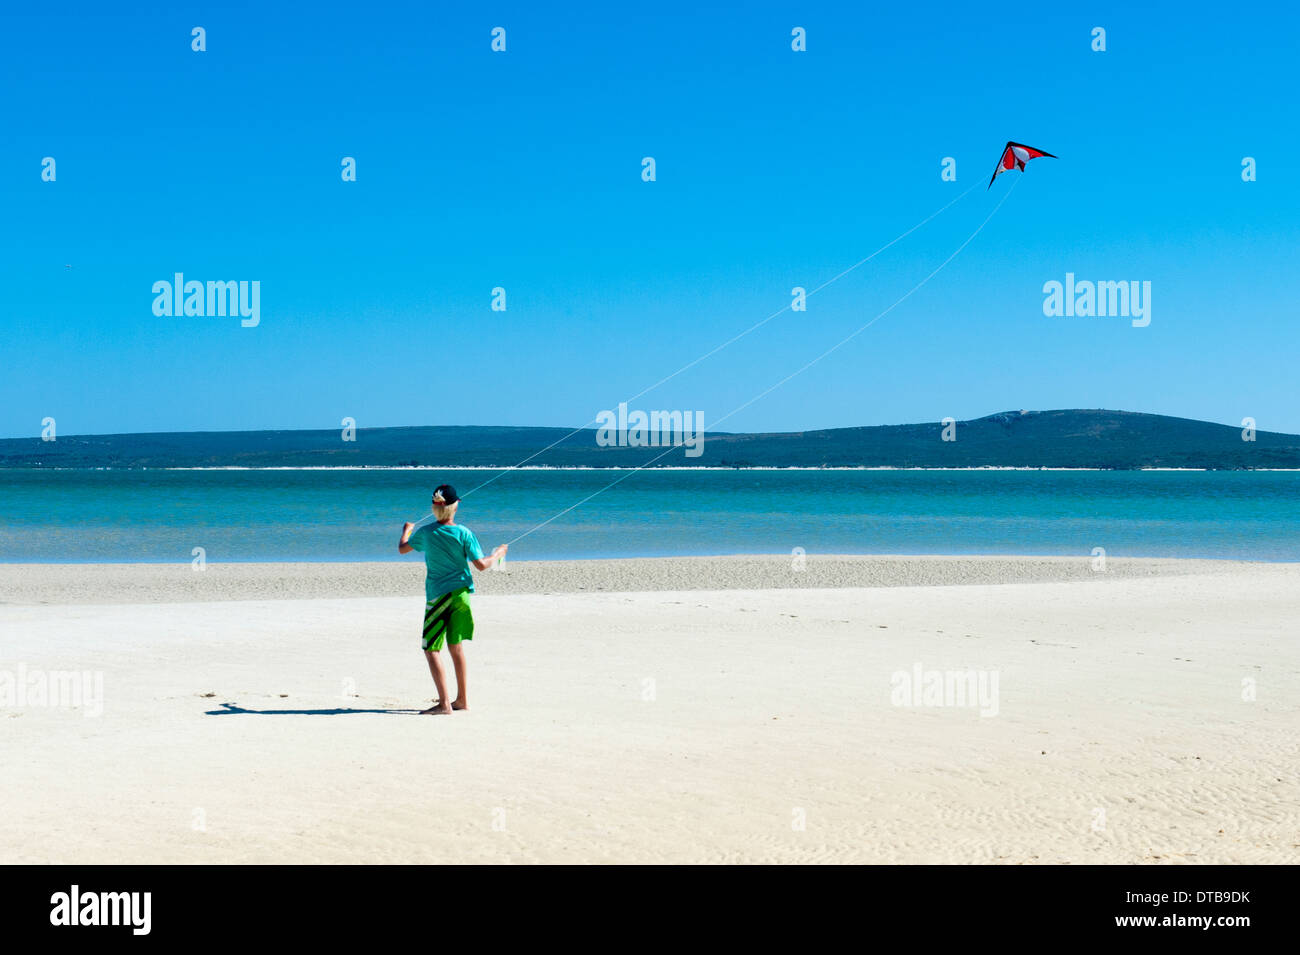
x=209, y=299
x=129, y=909
x=653, y=429
x=1084, y=299
x=952, y=688
x=53, y=688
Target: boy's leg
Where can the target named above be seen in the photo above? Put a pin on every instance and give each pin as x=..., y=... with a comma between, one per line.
x=458, y=660
x=460, y=629
x=435, y=667
x=436, y=619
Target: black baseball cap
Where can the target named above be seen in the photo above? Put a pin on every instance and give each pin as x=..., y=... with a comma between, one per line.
x=447, y=493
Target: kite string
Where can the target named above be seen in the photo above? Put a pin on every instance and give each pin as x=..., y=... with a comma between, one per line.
x=899, y=301
x=854, y=334
x=420, y=523
x=735, y=338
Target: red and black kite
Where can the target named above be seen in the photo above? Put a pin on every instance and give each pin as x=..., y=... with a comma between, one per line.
x=1014, y=156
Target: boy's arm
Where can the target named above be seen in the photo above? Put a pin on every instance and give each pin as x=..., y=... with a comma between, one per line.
x=402, y=546
x=483, y=563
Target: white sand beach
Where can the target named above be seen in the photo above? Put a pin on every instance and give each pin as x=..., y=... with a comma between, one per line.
x=673, y=710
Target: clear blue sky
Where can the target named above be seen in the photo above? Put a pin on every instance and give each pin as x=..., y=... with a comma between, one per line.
x=522, y=170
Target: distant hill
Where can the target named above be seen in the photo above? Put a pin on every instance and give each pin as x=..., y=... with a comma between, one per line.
x=1056, y=439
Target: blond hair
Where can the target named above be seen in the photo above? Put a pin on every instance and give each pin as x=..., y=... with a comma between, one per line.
x=444, y=511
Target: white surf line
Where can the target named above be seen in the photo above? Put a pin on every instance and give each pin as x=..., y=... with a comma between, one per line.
x=735, y=338
x=852, y=335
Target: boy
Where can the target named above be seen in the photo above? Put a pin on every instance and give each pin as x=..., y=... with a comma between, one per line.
x=448, y=549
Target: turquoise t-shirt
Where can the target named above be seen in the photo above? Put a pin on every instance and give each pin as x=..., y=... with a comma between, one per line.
x=447, y=548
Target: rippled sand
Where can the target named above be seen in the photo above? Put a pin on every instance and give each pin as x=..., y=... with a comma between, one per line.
x=659, y=711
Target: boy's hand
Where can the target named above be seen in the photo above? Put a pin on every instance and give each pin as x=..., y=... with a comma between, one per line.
x=501, y=551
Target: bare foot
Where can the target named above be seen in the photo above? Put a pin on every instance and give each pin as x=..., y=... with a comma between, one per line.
x=438, y=709
x=459, y=705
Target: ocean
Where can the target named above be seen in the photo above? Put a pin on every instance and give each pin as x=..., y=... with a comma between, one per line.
x=345, y=515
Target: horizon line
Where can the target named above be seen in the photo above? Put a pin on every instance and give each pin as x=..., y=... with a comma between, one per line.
x=524, y=427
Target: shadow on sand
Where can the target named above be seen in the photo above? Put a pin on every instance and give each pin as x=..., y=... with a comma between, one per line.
x=231, y=708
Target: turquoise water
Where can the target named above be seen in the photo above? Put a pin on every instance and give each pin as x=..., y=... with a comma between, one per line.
x=127, y=516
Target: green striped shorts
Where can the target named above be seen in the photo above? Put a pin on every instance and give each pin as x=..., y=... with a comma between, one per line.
x=448, y=618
